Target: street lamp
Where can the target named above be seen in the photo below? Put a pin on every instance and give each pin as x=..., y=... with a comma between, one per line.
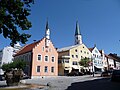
x=92, y=58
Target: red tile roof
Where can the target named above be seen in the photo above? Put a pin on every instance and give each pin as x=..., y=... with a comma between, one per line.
x=27, y=48
x=91, y=49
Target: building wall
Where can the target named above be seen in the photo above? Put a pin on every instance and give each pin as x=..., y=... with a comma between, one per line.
x=27, y=57
x=111, y=63
x=105, y=64
x=63, y=56
x=97, y=60
x=50, y=51
x=74, y=55
x=81, y=51
x=6, y=56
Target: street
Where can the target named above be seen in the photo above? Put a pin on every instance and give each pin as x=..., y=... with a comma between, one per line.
x=86, y=82
x=77, y=83
x=97, y=84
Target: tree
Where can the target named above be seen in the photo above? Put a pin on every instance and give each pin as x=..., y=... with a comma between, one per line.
x=13, y=18
x=19, y=64
x=85, y=62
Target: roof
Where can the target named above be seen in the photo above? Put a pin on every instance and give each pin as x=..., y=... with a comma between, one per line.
x=67, y=48
x=77, y=31
x=110, y=57
x=100, y=51
x=91, y=49
x=27, y=48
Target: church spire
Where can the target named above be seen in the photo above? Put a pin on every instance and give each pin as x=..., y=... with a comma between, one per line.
x=47, y=34
x=78, y=36
x=47, y=31
x=47, y=27
x=77, y=31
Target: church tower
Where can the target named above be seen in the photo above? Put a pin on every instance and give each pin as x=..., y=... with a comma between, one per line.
x=47, y=35
x=78, y=36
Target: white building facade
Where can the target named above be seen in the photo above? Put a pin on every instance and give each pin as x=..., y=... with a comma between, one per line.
x=96, y=59
x=6, y=55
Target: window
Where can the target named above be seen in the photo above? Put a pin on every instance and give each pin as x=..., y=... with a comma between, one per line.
x=72, y=56
x=49, y=49
x=76, y=56
x=85, y=52
x=52, y=69
x=38, y=68
x=75, y=50
x=66, y=61
x=42, y=48
x=59, y=61
x=46, y=58
x=81, y=57
x=39, y=57
x=81, y=51
x=46, y=69
x=53, y=59
x=96, y=51
x=74, y=63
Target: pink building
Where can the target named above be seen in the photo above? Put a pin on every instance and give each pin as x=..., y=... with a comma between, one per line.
x=41, y=57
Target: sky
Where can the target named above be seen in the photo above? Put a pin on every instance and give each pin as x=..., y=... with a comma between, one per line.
x=99, y=22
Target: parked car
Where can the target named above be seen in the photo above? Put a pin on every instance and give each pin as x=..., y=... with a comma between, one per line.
x=74, y=73
x=98, y=72
x=115, y=75
x=106, y=73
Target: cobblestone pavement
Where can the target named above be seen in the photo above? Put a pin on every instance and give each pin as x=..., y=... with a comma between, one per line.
x=60, y=82
x=56, y=83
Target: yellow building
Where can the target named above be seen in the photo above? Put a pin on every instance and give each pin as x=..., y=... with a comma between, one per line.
x=69, y=57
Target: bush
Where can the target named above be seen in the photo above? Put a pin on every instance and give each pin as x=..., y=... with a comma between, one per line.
x=19, y=64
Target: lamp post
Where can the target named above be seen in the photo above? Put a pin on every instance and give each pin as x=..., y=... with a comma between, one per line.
x=92, y=66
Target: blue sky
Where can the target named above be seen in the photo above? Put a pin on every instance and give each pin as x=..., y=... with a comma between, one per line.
x=99, y=22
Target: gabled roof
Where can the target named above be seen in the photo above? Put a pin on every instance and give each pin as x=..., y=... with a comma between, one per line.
x=28, y=48
x=115, y=57
x=67, y=48
x=91, y=49
x=110, y=57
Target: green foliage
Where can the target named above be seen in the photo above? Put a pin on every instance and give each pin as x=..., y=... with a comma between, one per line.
x=13, y=18
x=19, y=64
x=85, y=62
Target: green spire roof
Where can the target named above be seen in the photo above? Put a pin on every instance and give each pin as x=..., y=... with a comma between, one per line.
x=47, y=27
x=77, y=31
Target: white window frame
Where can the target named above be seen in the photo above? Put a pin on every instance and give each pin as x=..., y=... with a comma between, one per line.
x=47, y=69
x=48, y=58
x=37, y=69
x=51, y=59
x=53, y=69
x=37, y=57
